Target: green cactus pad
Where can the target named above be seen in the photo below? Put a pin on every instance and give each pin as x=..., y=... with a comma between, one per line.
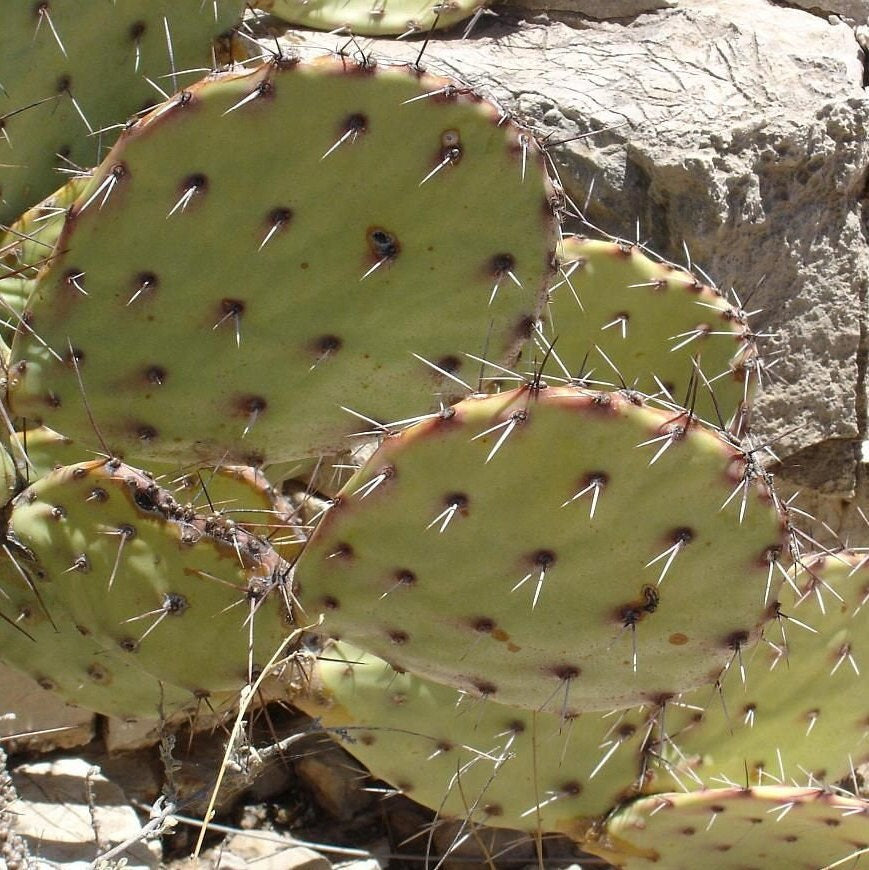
x=66, y=657
x=516, y=545
x=151, y=579
x=237, y=332
x=372, y=17
x=475, y=759
x=72, y=71
x=738, y=829
x=803, y=709
x=650, y=319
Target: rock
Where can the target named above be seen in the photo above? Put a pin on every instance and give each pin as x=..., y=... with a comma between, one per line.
x=49, y=723
x=463, y=850
x=852, y=11
x=742, y=134
x=602, y=10
x=270, y=851
x=333, y=778
x=69, y=813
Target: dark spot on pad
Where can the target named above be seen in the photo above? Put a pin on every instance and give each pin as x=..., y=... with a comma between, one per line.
x=47, y=684
x=128, y=644
x=682, y=535
x=737, y=640
x=97, y=494
x=501, y=264
x=355, y=124
x=543, y=559
x=405, y=577
x=63, y=84
x=280, y=216
x=137, y=29
x=384, y=245
x=197, y=182
x=327, y=344
x=457, y=500
x=571, y=789
x=449, y=364
x=483, y=625
x=565, y=672
x=231, y=307
x=156, y=375
x=330, y=602
x=146, y=434
x=74, y=357
x=252, y=404
x=485, y=688
x=144, y=499
x=493, y=810
x=342, y=551
x=399, y=637
x=98, y=673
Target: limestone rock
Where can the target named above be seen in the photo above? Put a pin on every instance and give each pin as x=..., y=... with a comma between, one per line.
x=69, y=813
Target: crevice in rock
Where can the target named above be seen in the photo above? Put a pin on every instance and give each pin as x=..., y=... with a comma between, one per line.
x=860, y=399
x=817, y=11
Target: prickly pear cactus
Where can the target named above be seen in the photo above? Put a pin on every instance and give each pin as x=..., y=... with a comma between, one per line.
x=616, y=313
x=374, y=238
x=131, y=568
x=555, y=548
x=372, y=17
x=796, y=706
x=738, y=829
x=72, y=71
x=475, y=759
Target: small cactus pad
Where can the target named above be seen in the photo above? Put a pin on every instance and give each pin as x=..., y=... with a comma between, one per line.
x=471, y=758
x=150, y=578
x=803, y=710
x=27, y=245
x=72, y=71
x=650, y=319
x=738, y=829
x=66, y=657
x=552, y=547
x=238, y=301
x=372, y=17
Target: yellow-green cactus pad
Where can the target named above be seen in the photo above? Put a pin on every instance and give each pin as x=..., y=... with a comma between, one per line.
x=802, y=712
x=650, y=320
x=474, y=759
x=152, y=579
x=768, y=828
x=373, y=17
x=242, y=301
x=557, y=549
x=72, y=71
x=39, y=637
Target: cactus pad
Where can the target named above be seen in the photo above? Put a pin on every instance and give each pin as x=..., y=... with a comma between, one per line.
x=372, y=17
x=738, y=829
x=375, y=236
x=566, y=550
x=803, y=709
x=150, y=579
x=650, y=319
x=475, y=759
x=72, y=72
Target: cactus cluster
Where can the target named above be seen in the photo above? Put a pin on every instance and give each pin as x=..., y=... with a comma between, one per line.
x=558, y=591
